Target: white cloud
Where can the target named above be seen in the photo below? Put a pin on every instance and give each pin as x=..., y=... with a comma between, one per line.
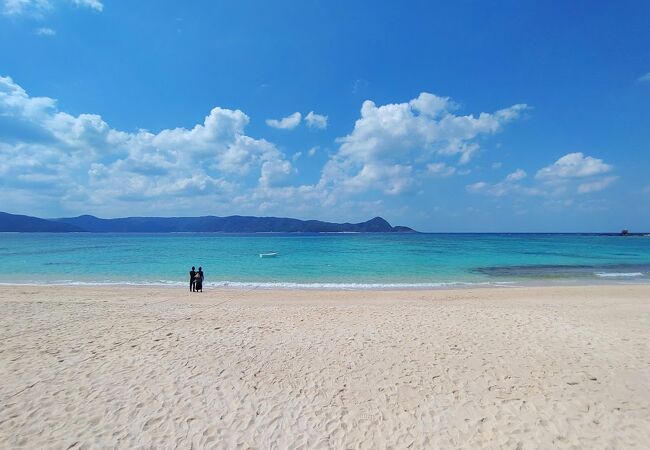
x=286, y=123
x=424, y=125
x=596, y=185
x=83, y=163
x=401, y=139
x=389, y=179
x=316, y=120
x=38, y=8
x=80, y=163
x=92, y=4
x=644, y=78
x=573, y=165
x=573, y=173
x=20, y=7
x=516, y=175
x=274, y=172
x=44, y=31
x=478, y=187
x=441, y=169
x=496, y=165
x=507, y=185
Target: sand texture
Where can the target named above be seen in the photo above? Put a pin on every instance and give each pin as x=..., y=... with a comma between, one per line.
x=119, y=367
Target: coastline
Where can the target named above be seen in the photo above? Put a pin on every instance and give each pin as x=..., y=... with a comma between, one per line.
x=620, y=280
x=125, y=366
x=176, y=292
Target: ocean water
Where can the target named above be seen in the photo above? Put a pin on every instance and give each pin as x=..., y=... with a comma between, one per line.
x=344, y=261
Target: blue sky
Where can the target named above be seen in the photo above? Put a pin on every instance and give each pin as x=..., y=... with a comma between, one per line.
x=444, y=116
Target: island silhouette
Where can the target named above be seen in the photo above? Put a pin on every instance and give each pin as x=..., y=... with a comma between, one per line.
x=203, y=224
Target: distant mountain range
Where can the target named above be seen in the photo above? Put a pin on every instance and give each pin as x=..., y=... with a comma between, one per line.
x=230, y=224
x=15, y=222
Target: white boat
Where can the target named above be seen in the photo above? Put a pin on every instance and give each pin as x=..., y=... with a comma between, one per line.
x=268, y=255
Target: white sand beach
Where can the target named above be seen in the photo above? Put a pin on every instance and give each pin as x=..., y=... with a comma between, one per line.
x=133, y=367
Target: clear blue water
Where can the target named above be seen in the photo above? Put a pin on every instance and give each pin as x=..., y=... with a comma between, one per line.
x=323, y=260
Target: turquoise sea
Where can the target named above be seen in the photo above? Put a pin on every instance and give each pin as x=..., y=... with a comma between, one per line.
x=344, y=261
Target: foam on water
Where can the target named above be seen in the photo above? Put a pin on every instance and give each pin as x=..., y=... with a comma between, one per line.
x=277, y=285
x=619, y=275
x=357, y=286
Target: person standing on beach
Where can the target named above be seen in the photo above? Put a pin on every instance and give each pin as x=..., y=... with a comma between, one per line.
x=199, y=281
x=192, y=278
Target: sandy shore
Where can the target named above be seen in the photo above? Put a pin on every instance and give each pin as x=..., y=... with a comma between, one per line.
x=553, y=367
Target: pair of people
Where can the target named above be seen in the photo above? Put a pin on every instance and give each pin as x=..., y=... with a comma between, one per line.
x=196, y=280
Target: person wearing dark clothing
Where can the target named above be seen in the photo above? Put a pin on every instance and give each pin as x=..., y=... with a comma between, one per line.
x=199, y=280
x=192, y=279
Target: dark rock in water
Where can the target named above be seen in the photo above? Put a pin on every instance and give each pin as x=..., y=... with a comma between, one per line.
x=28, y=224
x=566, y=271
x=230, y=224
x=536, y=270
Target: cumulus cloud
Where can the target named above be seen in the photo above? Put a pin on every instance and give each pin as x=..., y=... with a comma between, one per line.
x=402, y=139
x=80, y=163
x=573, y=165
x=424, y=125
x=572, y=173
x=274, y=172
x=81, y=160
x=286, y=123
x=314, y=120
x=39, y=8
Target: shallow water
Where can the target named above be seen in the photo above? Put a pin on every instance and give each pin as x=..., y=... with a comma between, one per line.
x=323, y=260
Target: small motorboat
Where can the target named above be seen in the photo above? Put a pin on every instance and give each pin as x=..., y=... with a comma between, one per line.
x=268, y=255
